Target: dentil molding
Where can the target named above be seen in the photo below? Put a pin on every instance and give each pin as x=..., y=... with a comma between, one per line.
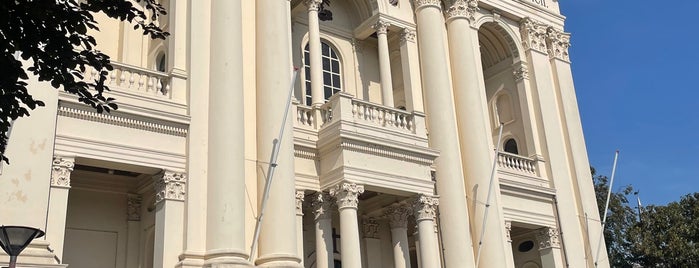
x=347, y=194
x=463, y=9
x=121, y=121
x=170, y=185
x=61, y=168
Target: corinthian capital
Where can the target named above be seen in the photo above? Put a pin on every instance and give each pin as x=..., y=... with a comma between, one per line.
x=313, y=5
x=347, y=194
x=381, y=26
x=170, y=185
x=371, y=228
x=463, y=9
x=558, y=44
x=548, y=238
x=133, y=207
x=419, y=4
x=398, y=216
x=321, y=204
x=407, y=35
x=425, y=207
x=534, y=34
x=60, y=171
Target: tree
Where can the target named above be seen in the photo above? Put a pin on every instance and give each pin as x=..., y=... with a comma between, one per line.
x=668, y=236
x=620, y=218
x=49, y=39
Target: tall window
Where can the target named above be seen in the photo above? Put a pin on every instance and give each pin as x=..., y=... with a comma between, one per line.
x=331, y=72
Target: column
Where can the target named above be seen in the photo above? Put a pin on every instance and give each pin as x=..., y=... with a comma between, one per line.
x=347, y=198
x=558, y=44
x=410, y=62
x=170, y=194
x=398, y=221
x=225, y=189
x=300, y=196
x=529, y=118
x=371, y=230
x=549, y=247
x=58, y=203
x=133, y=229
x=277, y=242
x=534, y=36
x=443, y=134
x=425, y=210
x=474, y=133
x=177, y=50
x=381, y=28
x=322, y=210
x=316, y=63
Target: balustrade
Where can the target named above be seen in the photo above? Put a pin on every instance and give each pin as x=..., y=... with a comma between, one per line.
x=133, y=78
x=517, y=163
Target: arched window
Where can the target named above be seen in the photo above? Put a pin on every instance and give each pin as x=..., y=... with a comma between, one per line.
x=511, y=146
x=161, y=62
x=331, y=72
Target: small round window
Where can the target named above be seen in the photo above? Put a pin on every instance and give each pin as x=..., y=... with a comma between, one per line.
x=525, y=246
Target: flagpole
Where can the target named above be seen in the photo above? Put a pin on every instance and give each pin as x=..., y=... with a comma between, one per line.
x=272, y=165
x=606, y=207
x=487, y=199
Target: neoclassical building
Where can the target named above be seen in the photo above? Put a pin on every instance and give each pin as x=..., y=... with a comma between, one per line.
x=386, y=156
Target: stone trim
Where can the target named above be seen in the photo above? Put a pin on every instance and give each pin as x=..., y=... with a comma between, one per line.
x=121, y=121
x=61, y=168
x=347, y=194
x=305, y=152
x=170, y=185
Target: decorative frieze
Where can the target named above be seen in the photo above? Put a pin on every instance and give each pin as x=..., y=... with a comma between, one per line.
x=370, y=228
x=558, y=44
x=548, y=238
x=425, y=207
x=463, y=9
x=534, y=35
x=321, y=204
x=381, y=26
x=133, y=207
x=170, y=185
x=347, y=194
x=398, y=216
x=407, y=35
x=520, y=72
x=419, y=4
x=313, y=5
x=60, y=171
x=300, y=196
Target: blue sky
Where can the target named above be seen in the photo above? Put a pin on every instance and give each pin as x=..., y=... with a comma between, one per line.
x=636, y=71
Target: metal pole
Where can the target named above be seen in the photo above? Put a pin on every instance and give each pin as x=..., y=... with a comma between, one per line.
x=606, y=207
x=13, y=261
x=272, y=166
x=487, y=199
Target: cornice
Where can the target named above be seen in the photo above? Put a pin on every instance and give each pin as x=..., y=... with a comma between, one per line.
x=120, y=121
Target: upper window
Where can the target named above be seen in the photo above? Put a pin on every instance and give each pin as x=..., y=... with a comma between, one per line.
x=331, y=72
x=511, y=146
x=161, y=63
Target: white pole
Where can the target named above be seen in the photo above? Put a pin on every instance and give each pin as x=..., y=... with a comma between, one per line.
x=606, y=207
x=490, y=190
x=272, y=165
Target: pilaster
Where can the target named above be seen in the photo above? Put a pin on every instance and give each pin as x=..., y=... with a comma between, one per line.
x=410, y=62
x=373, y=254
x=170, y=194
x=381, y=28
x=300, y=197
x=61, y=168
x=133, y=229
x=549, y=247
x=177, y=49
x=346, y=195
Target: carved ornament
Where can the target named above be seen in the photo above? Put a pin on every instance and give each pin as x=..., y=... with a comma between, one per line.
x=370, y=228
x=60, y=171
x=520, y=72
x=398, y=216
x=300, y=196
x=381, y=26
x=558, y=44
x=322, y=205
x=170, y=186
x=133, y=207
x=419, y=4
x=534, y=35
x=548, y=238
x=347, y=194
x=407, y=35
x=313, y=5
x=425, y=207
x=463, y=9
x=508, y=230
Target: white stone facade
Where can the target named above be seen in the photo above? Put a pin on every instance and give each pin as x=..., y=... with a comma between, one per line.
x=385, y=160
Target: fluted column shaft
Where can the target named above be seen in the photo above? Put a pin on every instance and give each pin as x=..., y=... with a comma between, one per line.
x=322, y=211
x=347, y=196
x=398, y=221
x=424, y=209
x=225, y=194
x=443, y=135
x=474, y=133
x=381, y=28
x=316, y=63
x=274, y=69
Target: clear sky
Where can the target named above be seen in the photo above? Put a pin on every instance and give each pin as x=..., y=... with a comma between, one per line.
x=636, y=71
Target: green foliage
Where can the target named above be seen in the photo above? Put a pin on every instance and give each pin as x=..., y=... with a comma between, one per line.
x=50, y=40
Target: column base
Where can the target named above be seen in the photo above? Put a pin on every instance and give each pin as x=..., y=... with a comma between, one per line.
x=190, y=259
x=279, y=260
x=226, y=258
